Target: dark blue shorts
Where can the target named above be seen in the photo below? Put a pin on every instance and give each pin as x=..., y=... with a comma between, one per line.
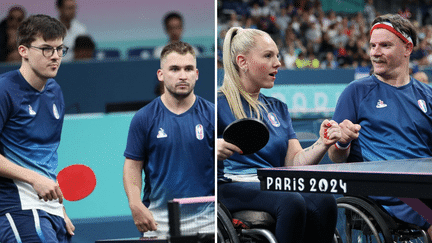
x=33, y=226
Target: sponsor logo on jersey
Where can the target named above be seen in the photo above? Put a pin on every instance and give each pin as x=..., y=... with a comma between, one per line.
x=31, y=111
x=381, y=104
x=273, y=119
x=422, y=105
x=161, y=133
x=199, y=131
x=55, y=111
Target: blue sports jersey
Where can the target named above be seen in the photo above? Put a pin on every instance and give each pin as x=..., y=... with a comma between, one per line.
x=396, y=123
x=30, y=128
x=177, y=151
x=273, y=154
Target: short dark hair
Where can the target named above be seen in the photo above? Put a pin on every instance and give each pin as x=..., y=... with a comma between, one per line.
x=42, y=25
x=400, y=23
x=84, y=42
x=180, y=47
x=59, y=3
x=172, y=15
x=17, y=8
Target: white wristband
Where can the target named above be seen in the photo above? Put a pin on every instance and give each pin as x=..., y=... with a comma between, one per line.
x=342, y=147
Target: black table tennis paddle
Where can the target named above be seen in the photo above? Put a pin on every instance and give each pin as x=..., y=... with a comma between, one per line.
x=249, y=134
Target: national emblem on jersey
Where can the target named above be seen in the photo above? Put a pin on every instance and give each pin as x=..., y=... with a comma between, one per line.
x=55, y=111
x=161, y=133
x=273, y=119
x=422, y=105
x=199, y=131
x=31, y=111
x=381, y=104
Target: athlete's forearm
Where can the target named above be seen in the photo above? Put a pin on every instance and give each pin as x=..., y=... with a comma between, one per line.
x=311, y=155
x=132, y=180
x=338, y=155
x=11, y=170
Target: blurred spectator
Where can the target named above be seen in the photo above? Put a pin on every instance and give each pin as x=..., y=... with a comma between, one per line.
x=67, y=13
x=333, y=18
x=249, y=24
x=282, y=21
x=326, y=46
x=233, y=22
x=173, y=26
x=84, y=48
x=329, y=62
x=422, y=77
x=292, y=40
x=369, y=11
x=256, y=11
x=420, y=53
x=426, y=12
x=342, y=56
x=314, y=36
x=302, y=26
x=289, y=57
x=8, y=33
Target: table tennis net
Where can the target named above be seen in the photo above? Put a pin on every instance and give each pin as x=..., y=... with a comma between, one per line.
x=192, y=216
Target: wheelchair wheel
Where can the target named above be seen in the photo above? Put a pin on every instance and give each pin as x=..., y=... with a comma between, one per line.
x=361, y=222
x=225, y=229
x=411, y=235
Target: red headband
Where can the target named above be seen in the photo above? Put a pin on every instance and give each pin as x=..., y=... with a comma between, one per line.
x=388, y=26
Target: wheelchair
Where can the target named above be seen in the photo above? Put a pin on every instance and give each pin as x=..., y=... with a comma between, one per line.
x=360, y=219
x=248, y=226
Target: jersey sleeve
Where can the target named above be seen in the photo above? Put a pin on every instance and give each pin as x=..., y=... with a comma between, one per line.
x=5, y=105
x=346, y=105
x=287, y=117
x=135, y=146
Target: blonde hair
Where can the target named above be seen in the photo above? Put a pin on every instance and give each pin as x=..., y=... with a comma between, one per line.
x=238, y=41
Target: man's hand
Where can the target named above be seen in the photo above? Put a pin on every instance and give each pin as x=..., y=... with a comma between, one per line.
x=70, y=228
x=225, y=149
x=350, y=131
x=143, y=218
x=47, y=189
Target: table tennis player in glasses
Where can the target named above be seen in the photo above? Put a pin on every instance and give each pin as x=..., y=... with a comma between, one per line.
x=251, y=62
x=387, y=115
x=31, y=118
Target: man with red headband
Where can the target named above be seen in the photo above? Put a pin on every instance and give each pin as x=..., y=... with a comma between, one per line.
x=387, y=115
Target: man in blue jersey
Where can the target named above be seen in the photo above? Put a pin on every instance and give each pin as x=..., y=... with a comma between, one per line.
x=387, y=115
x=31, y=119
x=172, y=140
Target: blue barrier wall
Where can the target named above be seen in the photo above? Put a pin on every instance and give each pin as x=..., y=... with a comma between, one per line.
x=90, y=85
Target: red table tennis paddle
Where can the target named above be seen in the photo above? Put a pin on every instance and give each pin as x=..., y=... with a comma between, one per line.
x=76, y=182
x=249, y=134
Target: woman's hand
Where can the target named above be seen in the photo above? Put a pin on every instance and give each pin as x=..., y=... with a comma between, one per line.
x=330, y=132
x=225, y=149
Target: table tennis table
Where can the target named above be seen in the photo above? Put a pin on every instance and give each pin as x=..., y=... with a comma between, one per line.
x=133, y=240
x=411, y=178
x=196, y=238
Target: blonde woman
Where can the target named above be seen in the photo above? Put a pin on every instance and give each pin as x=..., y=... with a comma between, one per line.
x=251, y=62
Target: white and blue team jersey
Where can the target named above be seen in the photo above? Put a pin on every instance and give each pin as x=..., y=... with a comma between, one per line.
x=396, y=123
x=30, y=128
x=278, y=122
x=178, y=156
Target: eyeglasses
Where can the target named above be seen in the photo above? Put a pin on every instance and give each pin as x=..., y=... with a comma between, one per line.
x=49, y=51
